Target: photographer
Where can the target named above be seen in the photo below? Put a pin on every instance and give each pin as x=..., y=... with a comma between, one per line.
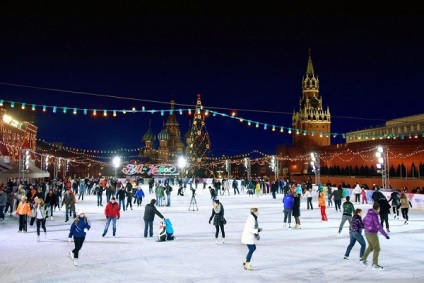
x=213, y=193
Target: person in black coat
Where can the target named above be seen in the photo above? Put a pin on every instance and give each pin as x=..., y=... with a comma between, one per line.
x=149, y=216
x=384, y=212
x=213, y=193
x=296, y=210
x=218, y=220
x=377, y=194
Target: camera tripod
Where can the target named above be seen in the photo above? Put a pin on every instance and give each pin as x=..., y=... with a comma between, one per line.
x=193, y=202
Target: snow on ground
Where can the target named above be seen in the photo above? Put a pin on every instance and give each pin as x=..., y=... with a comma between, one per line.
x=312, y=254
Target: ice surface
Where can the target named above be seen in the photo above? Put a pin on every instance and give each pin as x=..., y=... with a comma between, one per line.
x=312, y=254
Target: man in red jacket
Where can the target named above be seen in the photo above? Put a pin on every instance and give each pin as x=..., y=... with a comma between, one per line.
x=112, y=213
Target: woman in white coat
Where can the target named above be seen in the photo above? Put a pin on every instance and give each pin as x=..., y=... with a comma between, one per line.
x=250, y=234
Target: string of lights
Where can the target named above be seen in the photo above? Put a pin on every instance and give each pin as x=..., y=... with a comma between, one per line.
x=249, y=122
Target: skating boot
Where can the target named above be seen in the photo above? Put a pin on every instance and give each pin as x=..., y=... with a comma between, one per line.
x=247, y=266
x=75, y=261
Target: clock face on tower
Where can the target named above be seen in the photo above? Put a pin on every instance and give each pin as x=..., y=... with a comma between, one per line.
x=314, y=103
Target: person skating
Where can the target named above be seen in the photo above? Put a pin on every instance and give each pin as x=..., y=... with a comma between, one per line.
x=149, y=216
x=395, y=199
x=405, y=203
x=139, y=195
x=121, y=194
x=39, y=212
x=377, y=194
x=364, y=195
x=69, y=202
x=296, y=209
x=112, y=213
x=250, y=234
x=372, y=226
x=308, y=196
x=23, y=211
x=3, y=200
x=322, y=206
x=348, y=210
x=129, y=194
x=288, y=201
x=357, y=192
x=384, y=212
x=356, y=234
x=218, y=220
x=78, y=231
x=337, y=197
x=50, y=202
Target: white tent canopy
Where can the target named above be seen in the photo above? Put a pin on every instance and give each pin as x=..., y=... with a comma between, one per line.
x=32, y=172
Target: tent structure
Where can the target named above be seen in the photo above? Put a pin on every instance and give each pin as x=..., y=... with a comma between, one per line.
x=33, y=172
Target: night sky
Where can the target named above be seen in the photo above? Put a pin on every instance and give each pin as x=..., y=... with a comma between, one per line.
x=247, y=56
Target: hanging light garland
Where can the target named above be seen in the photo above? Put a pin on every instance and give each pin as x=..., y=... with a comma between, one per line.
x=249, y=122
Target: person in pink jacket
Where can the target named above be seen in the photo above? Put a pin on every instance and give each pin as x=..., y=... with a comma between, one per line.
x=372, y=226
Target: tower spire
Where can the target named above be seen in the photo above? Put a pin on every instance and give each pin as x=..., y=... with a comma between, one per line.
x=310, y=69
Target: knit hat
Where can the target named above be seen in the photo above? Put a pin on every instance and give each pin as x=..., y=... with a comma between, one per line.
x=80, y=211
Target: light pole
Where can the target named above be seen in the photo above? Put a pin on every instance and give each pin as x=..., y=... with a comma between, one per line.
x=116, y=163
x=248, y=168
x=182, y=163
x=315, y=166
x=228, y=167
x=383, y=165
x=274, y=166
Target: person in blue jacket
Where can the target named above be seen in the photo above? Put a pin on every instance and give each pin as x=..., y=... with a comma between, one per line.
x=78, y=230
x=288, y=208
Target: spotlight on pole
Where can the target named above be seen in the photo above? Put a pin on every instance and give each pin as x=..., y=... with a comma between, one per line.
x=116, y=163
x=182, y=163
x=315, y=166
x=382, y=165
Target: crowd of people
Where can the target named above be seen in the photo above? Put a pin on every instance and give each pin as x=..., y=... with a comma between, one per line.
x=39, y=202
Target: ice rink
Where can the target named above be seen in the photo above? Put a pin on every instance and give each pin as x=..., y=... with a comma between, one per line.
x=312, y=254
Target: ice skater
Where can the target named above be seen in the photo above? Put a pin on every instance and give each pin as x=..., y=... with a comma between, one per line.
x=149, y=216
x=288, y=208
x=78, y=231
x=112, y=213
x=322, y=206
x=372, y=226
x=395, y=199
x=348, y=210
x=404, y=207
x=23, y=211
x=296, y=210
x=218, y=220
x=250, y=234
x=356, y=234
x=308, y=196
x=40, y=216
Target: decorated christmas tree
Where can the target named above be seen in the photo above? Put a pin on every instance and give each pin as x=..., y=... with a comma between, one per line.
x=200, y=146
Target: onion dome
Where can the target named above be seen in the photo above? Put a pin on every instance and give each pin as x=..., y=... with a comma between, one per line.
x=149, y=136
x=163, y=135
